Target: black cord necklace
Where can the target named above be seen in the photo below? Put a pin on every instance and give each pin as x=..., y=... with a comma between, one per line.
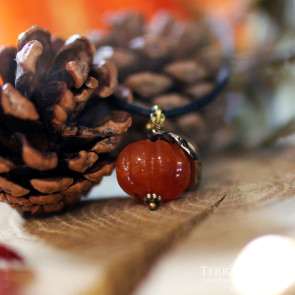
x=163, y=166
x=221, y=82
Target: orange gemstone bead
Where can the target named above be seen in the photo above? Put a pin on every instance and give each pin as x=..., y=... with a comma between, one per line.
x=159, y=167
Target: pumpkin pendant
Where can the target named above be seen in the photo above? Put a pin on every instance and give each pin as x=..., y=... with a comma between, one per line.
x=158, y=168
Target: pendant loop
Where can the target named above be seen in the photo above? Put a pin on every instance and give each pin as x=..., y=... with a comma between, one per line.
x=157, y=119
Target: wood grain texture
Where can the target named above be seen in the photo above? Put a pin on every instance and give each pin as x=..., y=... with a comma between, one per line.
x=115, y=241
x=204, y=260
x=260, y=200
x=118, y=239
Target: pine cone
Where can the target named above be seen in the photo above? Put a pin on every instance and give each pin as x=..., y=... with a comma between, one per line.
x=166, y=63
x=58, y=133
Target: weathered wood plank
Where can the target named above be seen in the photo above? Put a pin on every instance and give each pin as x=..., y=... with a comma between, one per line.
x=107, y=246
x=117, y=239
x=260, y=200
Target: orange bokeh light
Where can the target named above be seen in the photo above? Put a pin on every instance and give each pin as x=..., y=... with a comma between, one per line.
x=69, y=17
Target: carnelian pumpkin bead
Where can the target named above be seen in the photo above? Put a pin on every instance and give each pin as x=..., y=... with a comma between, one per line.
x=147, y=167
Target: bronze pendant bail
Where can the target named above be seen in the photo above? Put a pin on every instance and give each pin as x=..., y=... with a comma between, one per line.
x=157, y=119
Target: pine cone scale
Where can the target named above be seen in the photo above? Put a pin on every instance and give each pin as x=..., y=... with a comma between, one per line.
x=82, y=162
x=106, y=145
x=53, y=207
x=26, y=60
x=51, y=185
x=36, y=159
x=79, y=71
x=15, y=104
x=18, y=200
x=8, y=64
x=96, y=173
x=46, y=200
x=6, y=165
x=78, y=186
x=42, y=36
x=108, y=78
x=76, y=48
x=12, y=188
x=148, y=84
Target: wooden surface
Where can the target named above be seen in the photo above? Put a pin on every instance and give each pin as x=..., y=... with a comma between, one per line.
x=260, y=191
x=109, y=246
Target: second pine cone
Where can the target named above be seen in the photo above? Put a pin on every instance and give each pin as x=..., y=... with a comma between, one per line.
x=165, y=62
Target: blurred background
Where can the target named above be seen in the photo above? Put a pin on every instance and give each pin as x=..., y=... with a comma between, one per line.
x=259, y=101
